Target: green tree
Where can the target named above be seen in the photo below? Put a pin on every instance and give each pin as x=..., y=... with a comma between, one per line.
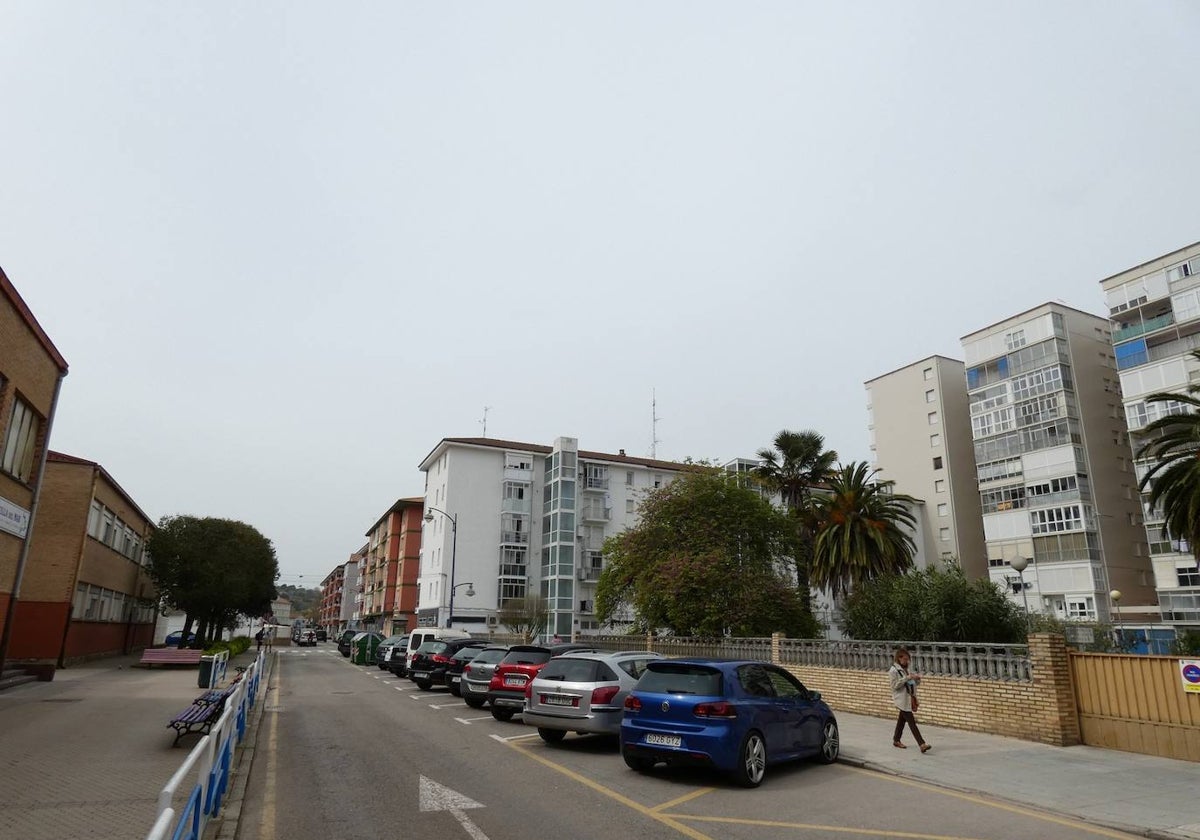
x=212, y=569
x=526, y=617
x=1173, y=443
x=859, y=533
x=932, y=606
x=798, y=462
x=708, y=558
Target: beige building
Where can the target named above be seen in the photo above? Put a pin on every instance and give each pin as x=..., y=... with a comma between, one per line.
x=1056, y=480
x=1155, y=311
x=921, y=439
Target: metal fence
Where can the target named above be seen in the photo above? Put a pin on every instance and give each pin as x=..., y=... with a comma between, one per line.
x=994, y=662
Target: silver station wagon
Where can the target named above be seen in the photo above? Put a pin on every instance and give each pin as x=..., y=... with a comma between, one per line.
x=583, y=692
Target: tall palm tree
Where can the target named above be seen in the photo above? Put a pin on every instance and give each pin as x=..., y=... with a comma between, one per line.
x=859, y=531
x=1174, y=480
x=798, y=462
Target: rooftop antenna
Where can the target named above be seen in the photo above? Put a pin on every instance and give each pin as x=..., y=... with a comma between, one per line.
x=654, y=418
x=483, y=422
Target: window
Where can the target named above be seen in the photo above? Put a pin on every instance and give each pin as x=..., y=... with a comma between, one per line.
x=93, y=526
x=1002, y=498
x=937, y=462
x=1081, y=608
x=1188, y=575
x=930, y=395
x=629, y=478
x=939, y=486
x=514, y=460
x=943, y=509
x=927, y=373
x=21, y=441
x=935, y=440
x=1014, y=339
x=944, y=534
x=933, y=418
x=630, y=506
x=1056, y=519
x=658, y=480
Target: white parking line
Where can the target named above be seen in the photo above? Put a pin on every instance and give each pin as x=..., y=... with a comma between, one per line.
x=398, y=688
x=513, y=737
x=467, y=721
x=448, y=706
x=415, y=697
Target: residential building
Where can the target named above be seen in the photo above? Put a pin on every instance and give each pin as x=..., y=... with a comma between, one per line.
x=921, y=439
x=31, y=374
x=1056, y=482
x=352, y=590
x=1155, y=311
x=392, y=566
x=332, y=589
x=509, y=519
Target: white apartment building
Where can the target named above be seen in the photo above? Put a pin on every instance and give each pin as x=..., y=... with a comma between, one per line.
x=1155, y=311
x=920, y=431
x=507, y=519
x=1056, y=482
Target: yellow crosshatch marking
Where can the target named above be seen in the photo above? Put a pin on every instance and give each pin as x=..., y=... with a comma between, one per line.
x=869, y=832
x=687, y=797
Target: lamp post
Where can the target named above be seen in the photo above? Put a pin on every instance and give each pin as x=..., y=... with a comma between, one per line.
x=1115, y=596
x=429, y=511
x=1020, y=564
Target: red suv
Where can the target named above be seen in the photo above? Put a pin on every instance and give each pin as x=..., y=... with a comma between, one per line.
x=506, y=691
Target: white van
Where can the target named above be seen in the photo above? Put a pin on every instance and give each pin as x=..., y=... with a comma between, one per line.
x=417, y=638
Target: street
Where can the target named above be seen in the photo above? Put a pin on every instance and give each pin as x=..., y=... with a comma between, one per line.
x=351, y=752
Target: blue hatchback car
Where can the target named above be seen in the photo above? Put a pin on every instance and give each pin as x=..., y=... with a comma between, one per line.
x=738, y=717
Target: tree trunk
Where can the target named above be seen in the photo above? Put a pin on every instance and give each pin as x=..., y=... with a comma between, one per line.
x=187, y=628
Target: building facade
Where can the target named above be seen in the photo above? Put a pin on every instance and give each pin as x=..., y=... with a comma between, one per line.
x=1056, y=482
x=391, y=569
x=332, y=589
x=31, y=374
x=920, y=429
x=508, y=519
x=1155, y=311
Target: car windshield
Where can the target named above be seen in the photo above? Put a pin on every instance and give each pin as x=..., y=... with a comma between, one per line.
x=488, y=657
x=465, y=654
x=670, y=678
x=576, y=670
x=527, y=657
x=433, y=647
x=393, y=640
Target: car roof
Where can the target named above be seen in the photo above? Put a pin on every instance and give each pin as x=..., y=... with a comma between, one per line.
x=610, y=655
x=718, y=664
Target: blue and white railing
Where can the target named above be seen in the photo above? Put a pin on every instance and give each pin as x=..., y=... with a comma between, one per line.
x=208, y=766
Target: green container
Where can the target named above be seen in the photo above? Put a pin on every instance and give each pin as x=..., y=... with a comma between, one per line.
x=206, y=670
x=364, y=650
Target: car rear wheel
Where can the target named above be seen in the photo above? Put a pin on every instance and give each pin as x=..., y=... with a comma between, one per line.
x=830, y=743
x=551, y=736
x=473, y=702
x=637, y=762
x=752, y=761
x=502, y=714
x=424, y=685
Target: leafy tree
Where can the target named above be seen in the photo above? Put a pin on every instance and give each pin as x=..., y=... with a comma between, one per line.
x=525, y=617
x=859, y=534
x=212, y=569
x=932, y=606
x=1174, y=480
x=708, y=558
x=798, y=463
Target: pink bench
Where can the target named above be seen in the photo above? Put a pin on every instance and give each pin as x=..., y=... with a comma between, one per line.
x=170, y=656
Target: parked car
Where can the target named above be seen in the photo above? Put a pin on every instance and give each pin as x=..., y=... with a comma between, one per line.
x=458, y=663
x=173, y=639
x=506, y=690
x=419, y=637
x=322, y=634
x=306, y=638
x=343, y=642
x=428, y=667
x=738, y=717
x=583, y=692
x=389, y=647
x=478, y=673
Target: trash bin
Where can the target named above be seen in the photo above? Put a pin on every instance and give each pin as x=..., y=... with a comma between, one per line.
x=364, y=649
x=206, y=672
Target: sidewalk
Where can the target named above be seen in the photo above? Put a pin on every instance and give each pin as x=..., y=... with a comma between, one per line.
x=1140, y=794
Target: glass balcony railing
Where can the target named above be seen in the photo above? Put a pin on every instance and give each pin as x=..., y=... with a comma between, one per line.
x=1134, y=330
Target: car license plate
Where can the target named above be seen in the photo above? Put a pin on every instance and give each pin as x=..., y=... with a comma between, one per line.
x=517, y=680
x=420, y=675
x=558, y=700
x=455, y=679
x=664, y=740
x=387, y=656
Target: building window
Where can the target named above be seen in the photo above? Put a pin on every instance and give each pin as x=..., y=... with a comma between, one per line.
x=93, y=526
x=943, y=510
x=1081, y=608
x=939, y=486
x=1014, y=339
x=658, y=480
x=935, y=440
x=944, y=534
x=630, y=505
x=1056, y=519
x=1188, y=575
x=927, y=373
x=930, y=395
x=933, y=418
x=629, y=478
x=21, y=441
x=937, y=462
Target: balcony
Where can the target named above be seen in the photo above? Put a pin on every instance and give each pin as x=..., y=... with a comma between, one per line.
x=1150, y=325
x=595, y=513
x=595, y=483
x=516, y=506
x=514, y=537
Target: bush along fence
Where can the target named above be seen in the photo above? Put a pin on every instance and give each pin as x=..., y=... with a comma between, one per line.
x=208, y=766
x=1020, y=691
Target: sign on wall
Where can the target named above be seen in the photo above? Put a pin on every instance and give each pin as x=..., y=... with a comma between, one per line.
x=1189, y=672
x=13, y=518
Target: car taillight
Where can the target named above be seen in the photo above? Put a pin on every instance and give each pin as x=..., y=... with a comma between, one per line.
x=529, y=690
x=603, y=696
x=441, y=660
x=496, y=683
x=467, y=669
x=632, y=704
x=720, y=709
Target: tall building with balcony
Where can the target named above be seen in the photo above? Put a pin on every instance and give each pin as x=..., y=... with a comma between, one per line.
x=391, y=569
x=920, y=430
x=1155, y=311
x=1056, y=483
x=332, y=589
x=513, y=519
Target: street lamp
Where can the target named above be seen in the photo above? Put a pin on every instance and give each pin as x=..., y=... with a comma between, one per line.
x=453, y=552
x=470, y=589
x=1115, y=596
x=1020, y=564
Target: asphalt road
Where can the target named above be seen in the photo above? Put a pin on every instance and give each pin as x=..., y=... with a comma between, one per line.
x=347, y=752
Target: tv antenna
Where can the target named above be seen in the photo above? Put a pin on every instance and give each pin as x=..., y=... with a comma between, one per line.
x=483, y=422
x=654, y=418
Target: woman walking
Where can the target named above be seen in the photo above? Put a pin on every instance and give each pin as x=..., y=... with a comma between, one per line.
x=904, y=695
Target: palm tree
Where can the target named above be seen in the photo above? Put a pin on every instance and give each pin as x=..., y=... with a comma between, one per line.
x=798, y=462
x=859, y=535
x=1174, y=480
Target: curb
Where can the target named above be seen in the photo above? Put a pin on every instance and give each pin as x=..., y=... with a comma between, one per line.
x=1139, y=831
x=225, y=826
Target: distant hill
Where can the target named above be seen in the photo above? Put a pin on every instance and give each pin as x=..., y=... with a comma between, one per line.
x=306, y=603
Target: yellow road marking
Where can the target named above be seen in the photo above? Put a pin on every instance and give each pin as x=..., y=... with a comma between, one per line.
x=687, y=797
x=266, y=827
x=871, y=832
x=685, y=830
x=1022, y=810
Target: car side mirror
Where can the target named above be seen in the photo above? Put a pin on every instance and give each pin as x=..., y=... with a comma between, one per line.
x=814, y=696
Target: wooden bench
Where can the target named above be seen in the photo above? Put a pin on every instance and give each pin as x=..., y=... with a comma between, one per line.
x=170, y=656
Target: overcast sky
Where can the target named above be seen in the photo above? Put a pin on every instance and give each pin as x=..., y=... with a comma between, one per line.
x=287, y=247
